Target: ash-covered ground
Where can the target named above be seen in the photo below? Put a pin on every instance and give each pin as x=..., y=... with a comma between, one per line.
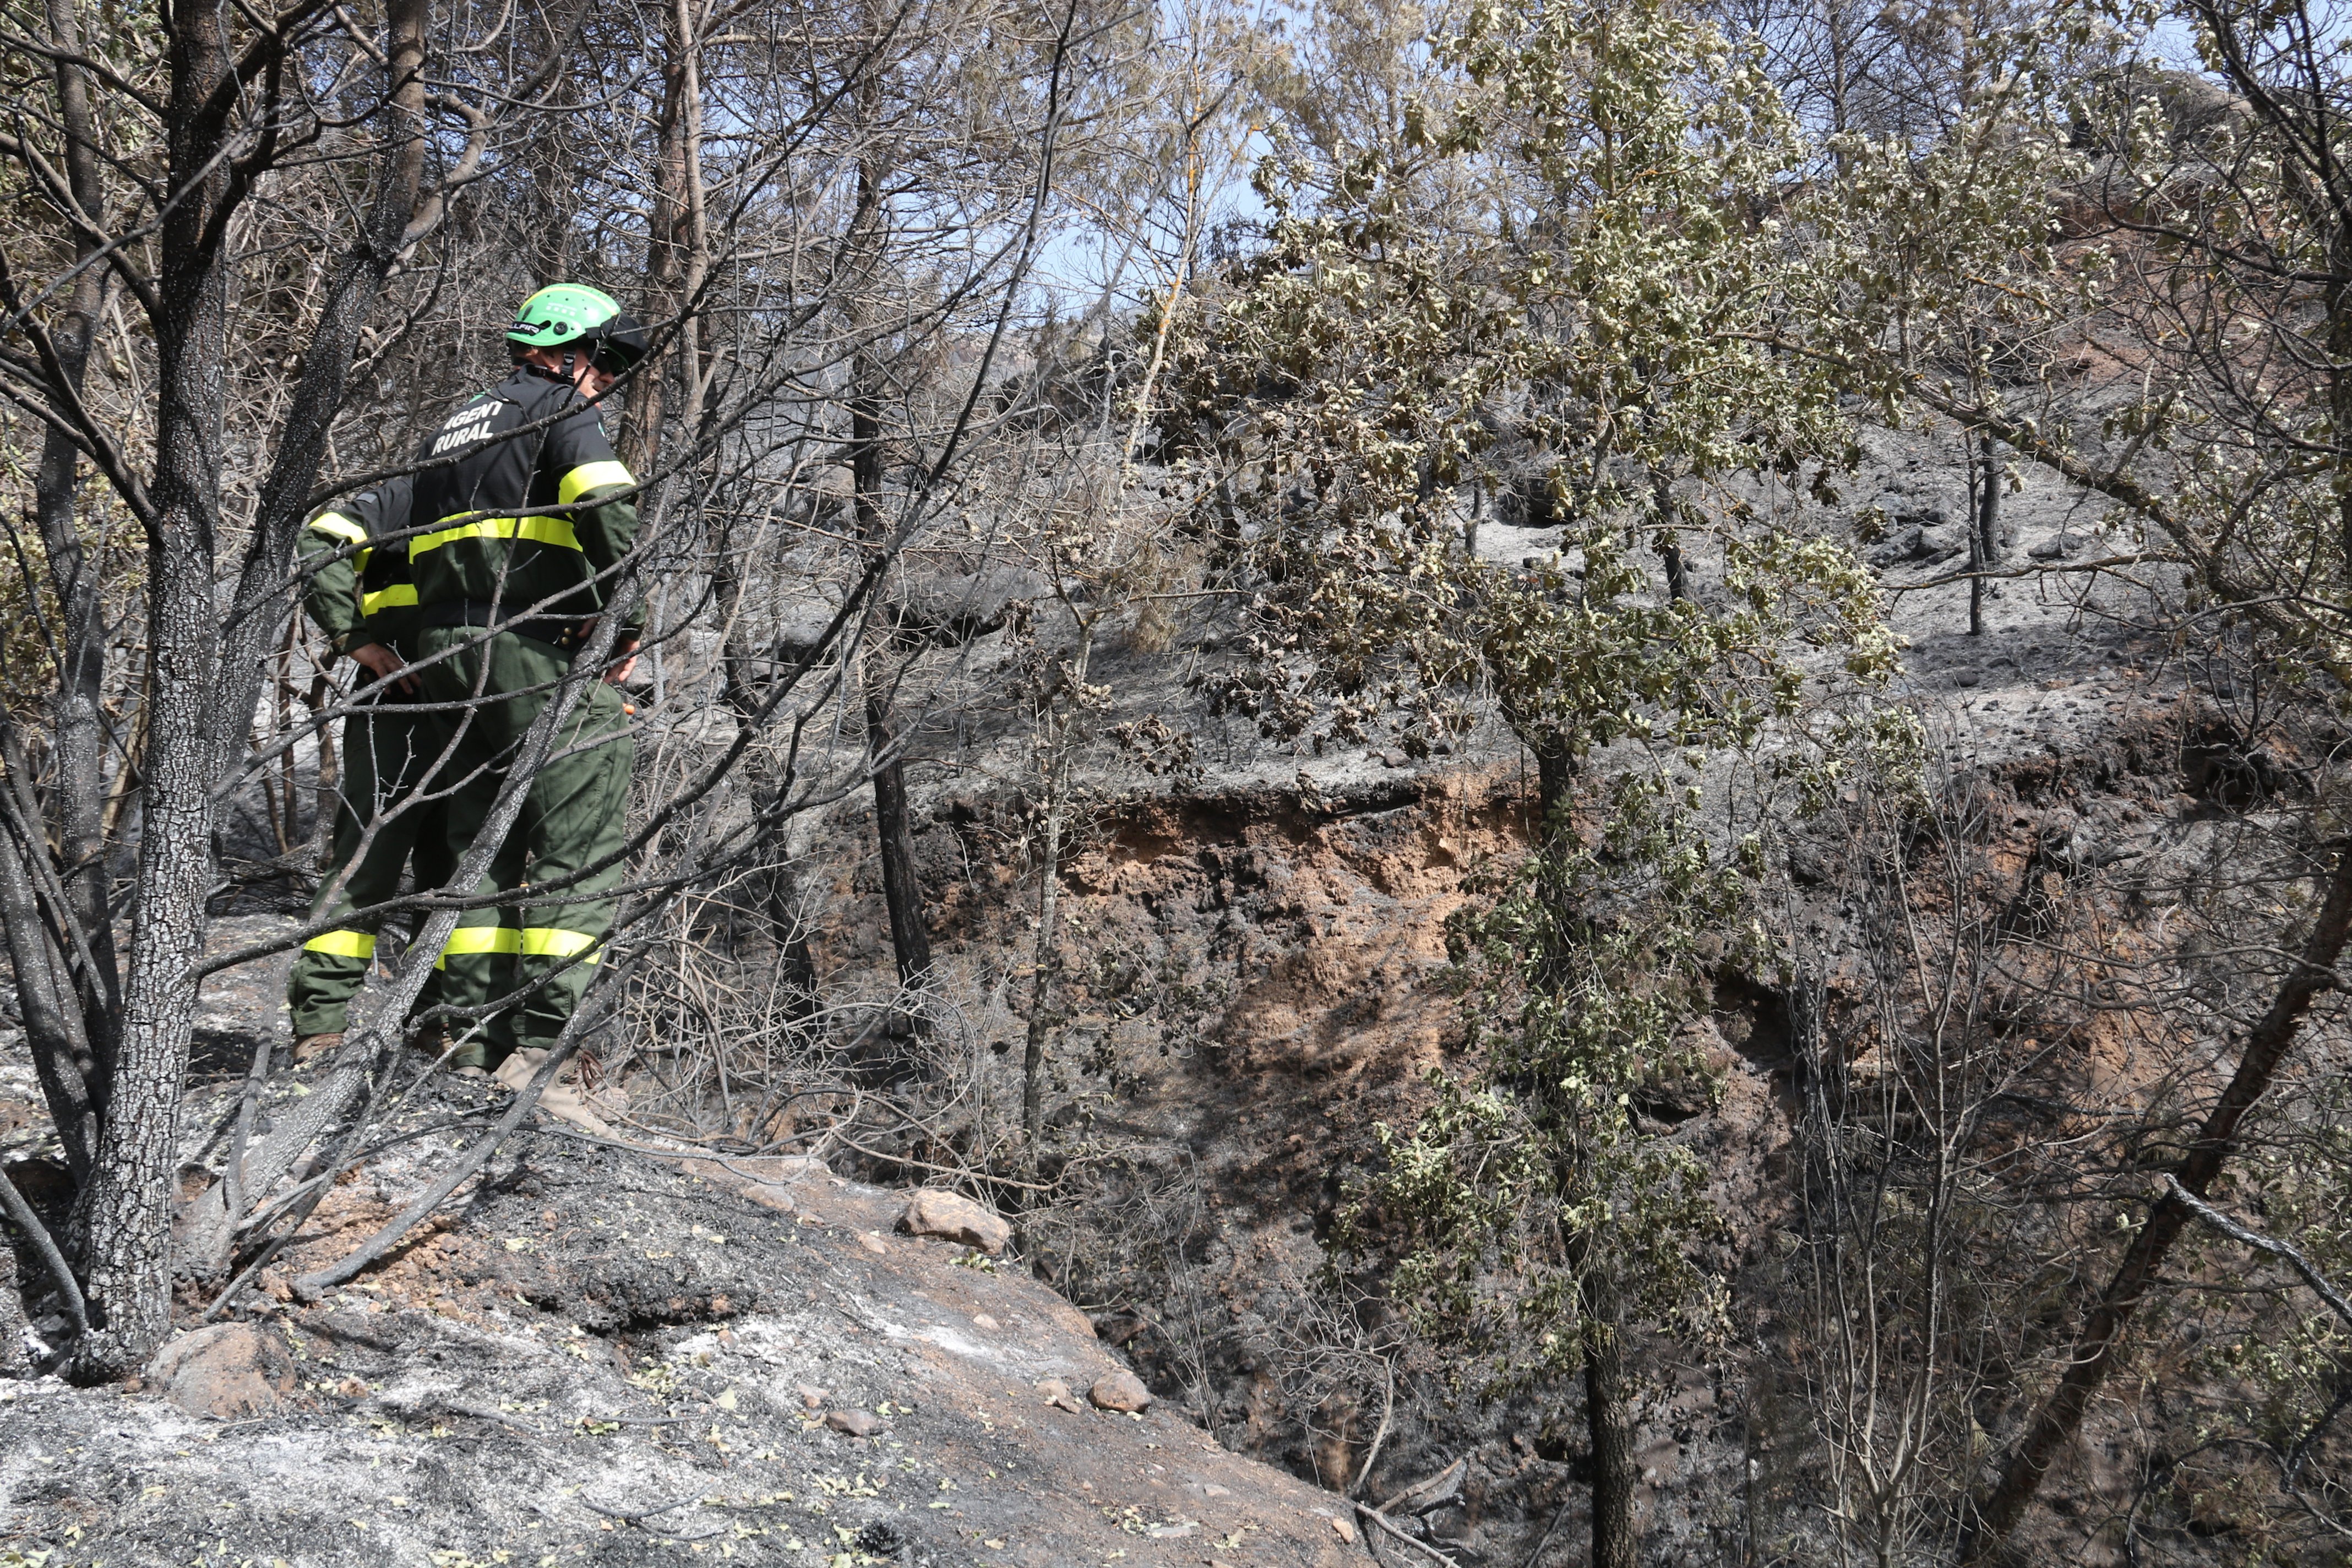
x=603, y=1356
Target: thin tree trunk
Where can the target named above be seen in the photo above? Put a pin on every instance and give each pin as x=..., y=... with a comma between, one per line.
x=328, y=802
x=73, y=983
x=1669, y=545
x=1555, y=779
x=1987, y=518
x=2339, y=385
x=204, y=671
x=1608, y=1422
x=62, y=1059
x=1975, y=542
x=1047, y=956
x=77, y=713
x=2100, y=1344
x=678, y=258
x=1607, y=1419
x=681, y=266
x=902, y=892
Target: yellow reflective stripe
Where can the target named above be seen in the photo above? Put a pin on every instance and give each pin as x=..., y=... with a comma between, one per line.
x=337, y=525
x=469, y=939
x=482, y=939
x=389, y=598
x=590, y=477
x=342, y=944
x=549, y=941
x=544, y=530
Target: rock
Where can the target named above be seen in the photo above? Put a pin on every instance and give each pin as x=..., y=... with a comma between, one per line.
x=1901, y=546
x=934, y=1211
x=855, y=1422
x=873, y=1243
x=811, y=1397
x=226, y=1371
x=1057, y=1392
x=1916, y=538
x=1120, y=1390
x=982, y=1321
x=1343, y=1529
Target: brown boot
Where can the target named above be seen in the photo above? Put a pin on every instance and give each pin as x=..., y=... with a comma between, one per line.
x=310, y=1048
x=561, y=1100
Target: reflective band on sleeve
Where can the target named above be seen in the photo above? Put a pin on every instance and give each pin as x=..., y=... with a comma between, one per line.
x=469, y=939
x=549, y=941
x=340, y=527
x=399, y=593
x=590, y=477
x=543, y=530
x=342, y=944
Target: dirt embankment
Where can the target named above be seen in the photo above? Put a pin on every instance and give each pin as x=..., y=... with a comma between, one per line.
x=1258, y=986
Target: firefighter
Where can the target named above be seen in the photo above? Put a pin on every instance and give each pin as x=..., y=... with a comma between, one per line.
x=520, y=517
x=358, y=595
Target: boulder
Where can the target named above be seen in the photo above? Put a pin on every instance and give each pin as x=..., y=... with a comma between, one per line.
x=855, y=1422
x=225, y=1371
x=934, y=1211
x=1120, y=1390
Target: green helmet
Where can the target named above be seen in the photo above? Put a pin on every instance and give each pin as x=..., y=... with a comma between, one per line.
x=575, y=313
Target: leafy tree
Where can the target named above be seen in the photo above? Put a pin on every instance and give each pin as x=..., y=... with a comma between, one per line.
x=1544, y=1213
x=1575, y=252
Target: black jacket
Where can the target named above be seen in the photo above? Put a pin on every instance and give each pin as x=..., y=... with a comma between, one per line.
x=516, y=520
x=354, y=556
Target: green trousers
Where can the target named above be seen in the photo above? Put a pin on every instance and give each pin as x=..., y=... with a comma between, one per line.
x=574, y=815
x=386, y=747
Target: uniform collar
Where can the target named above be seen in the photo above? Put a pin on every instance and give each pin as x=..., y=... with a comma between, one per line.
x=536, y=381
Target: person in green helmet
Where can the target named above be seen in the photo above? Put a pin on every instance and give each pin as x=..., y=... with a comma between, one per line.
x=357, y=591
x=520, y=517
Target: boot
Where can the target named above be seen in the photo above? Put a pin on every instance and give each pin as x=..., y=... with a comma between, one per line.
x=558, y=1099
x=310, y=1048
